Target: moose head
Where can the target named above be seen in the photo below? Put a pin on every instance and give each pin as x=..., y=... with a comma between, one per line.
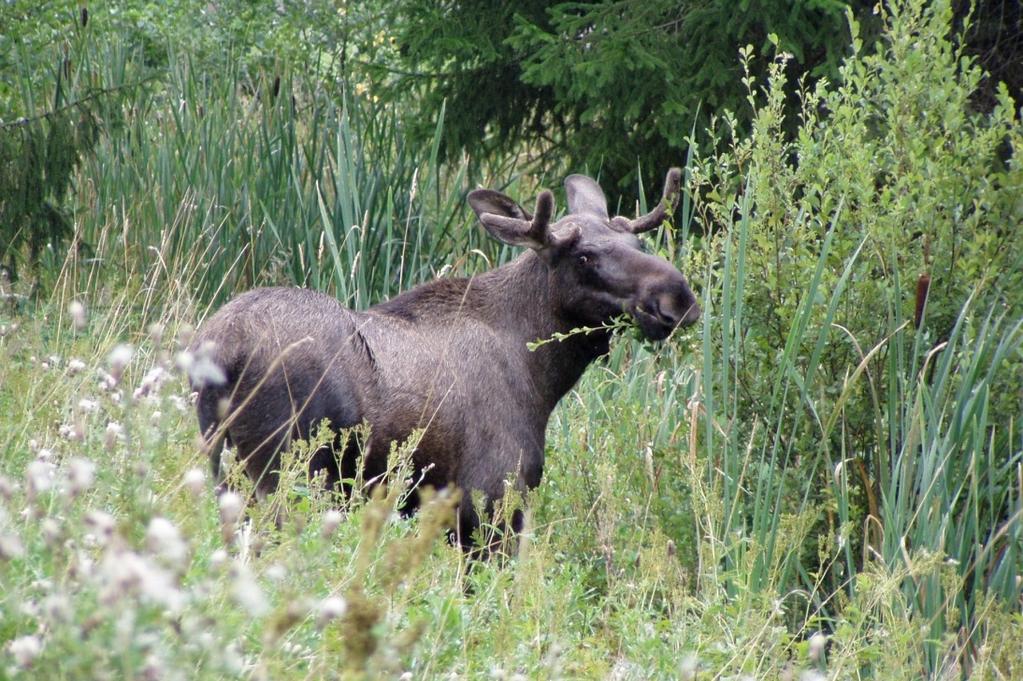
x=597, y=266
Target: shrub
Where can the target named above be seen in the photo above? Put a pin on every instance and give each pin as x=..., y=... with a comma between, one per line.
x=869, y=350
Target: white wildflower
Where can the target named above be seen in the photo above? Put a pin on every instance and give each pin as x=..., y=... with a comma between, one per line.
x=232, y=659
x=164, y=540
x=155, y=331
x=25, y=650
x=247, y=593
x=153, y=667
x=101, y=526
x=78, y=318
x=218, y=559
x=276, y=572
x=29, y=608
x=39, y=477
x=331, y=521
x=329, y=609
x=689, y=667
x=88, y=406
x=128, y=573
x=114, y=434
x=81, y=566
x=816, y=647
x=51, y=531
x=195, y=481
x=119, y=359
x=10, y=546
x=151, y=382
x=76, y=429
x=230, y=507
x=57, y=607
x=75, y=366
x=184, y=361
x=295, y=649
x=185, y=333
x=106, y=381
x=203, y=370
x=81, y=473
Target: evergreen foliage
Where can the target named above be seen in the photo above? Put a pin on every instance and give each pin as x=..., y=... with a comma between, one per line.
x=994, y=36
x=607, y=85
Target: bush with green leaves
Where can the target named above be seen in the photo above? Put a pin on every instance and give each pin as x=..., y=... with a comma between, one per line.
x=871, y=346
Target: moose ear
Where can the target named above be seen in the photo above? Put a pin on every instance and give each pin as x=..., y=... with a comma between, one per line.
x=509, y=222
x=496, y=203
x=585, y=196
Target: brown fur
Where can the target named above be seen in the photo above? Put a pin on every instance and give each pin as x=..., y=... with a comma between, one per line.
x=448, y=357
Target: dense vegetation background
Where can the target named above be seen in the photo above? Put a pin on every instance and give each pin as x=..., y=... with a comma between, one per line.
x=823, y=480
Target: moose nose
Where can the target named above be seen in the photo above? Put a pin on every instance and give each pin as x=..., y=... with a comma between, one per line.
x=678, y=306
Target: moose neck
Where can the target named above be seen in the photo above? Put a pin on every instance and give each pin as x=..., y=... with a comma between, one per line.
x=520, y=301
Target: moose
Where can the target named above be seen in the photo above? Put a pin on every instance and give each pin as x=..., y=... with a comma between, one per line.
x=447, y=359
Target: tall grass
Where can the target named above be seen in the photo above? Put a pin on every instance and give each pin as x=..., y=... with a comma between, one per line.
x=231, y=182
x=948, y=517
x=272, y=187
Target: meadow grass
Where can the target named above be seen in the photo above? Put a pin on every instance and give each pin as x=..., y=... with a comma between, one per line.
x=662, y=543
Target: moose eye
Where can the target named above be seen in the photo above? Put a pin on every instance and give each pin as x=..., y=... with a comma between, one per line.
x=585, y=260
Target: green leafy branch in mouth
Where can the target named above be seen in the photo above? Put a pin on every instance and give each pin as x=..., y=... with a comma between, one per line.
x=620, y=322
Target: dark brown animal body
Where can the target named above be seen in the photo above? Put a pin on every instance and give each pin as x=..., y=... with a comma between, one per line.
x=448, y=358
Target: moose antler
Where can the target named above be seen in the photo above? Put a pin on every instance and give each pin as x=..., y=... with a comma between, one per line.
x=653, y=219
x=535, y=233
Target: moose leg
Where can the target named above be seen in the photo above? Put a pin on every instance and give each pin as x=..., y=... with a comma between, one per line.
x=500, y=525
x=486, y=535
x=210, y=408
x=262, y=460
x=467, y=522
